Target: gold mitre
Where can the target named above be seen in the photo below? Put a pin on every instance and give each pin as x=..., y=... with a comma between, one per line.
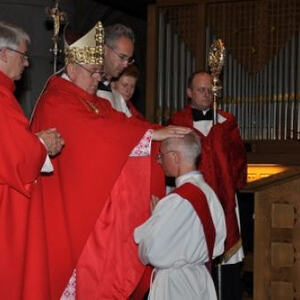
x=88, y=49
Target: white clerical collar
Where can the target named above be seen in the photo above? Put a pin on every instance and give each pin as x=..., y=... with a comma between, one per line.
x=65, y=76
x=205, y=111
x=186, y=177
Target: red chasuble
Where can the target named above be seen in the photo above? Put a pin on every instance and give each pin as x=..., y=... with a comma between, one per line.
x=83, y=189
x=157, y=188
x=223, y=165
x=21, y=159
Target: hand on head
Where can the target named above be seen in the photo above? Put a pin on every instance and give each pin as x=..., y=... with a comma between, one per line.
x=170, y=131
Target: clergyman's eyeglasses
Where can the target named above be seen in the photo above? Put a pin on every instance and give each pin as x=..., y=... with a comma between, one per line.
x=123, y=57
x=92, y=72
x=24, y=55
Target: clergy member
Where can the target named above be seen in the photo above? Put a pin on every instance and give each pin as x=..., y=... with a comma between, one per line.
x=118, y=55
x=119, y=44
x=186, y=230
x=22, y=156
x=100, y=191
x=224, y=167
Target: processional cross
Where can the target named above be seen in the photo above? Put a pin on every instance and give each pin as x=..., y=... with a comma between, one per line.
x=58, y=17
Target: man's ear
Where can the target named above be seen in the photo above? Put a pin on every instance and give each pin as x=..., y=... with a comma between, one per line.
x=70, y=68
x=106, y=48
x=189, y=92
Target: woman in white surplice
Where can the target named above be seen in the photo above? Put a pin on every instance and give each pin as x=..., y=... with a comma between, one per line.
x=173, y=240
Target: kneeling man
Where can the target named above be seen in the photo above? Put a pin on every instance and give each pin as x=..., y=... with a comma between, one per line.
x=186, y=230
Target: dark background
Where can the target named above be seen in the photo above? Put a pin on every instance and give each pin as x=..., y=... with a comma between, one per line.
x=81, y=16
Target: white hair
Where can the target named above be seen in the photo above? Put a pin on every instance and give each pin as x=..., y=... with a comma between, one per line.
x=189, y=146
x=11, y=35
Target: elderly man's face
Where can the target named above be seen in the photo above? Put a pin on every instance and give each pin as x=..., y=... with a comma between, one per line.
x=201, y=93
x=86, y=76
x=116, y=58
x=16, y=61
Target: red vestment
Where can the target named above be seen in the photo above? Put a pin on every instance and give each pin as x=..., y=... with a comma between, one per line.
x=134, y=111
x=158, y=189
x=224, y=167
x=21, y=158
x=81, y=193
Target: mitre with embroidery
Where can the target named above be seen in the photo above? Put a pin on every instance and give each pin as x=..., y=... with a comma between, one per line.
x=88, y=49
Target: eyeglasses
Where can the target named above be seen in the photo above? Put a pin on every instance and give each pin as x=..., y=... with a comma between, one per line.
x=123, y=57
x=24, y=55
x=91, y=72
x=160, y=156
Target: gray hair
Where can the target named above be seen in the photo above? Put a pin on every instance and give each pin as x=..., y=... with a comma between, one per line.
x=115, y=32
x=189, y=146
x=11, y=35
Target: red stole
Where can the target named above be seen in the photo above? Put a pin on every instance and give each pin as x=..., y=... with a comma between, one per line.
x=198, y=200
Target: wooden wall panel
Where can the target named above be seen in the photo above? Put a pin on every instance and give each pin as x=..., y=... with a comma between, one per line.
x=277, y=238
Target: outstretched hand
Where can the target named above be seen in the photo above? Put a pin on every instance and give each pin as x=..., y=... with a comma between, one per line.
x=170, y=131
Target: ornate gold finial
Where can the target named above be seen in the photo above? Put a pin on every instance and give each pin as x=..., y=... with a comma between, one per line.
x=89, y=49
x=216, y=59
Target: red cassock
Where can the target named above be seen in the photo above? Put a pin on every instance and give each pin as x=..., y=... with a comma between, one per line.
x=21, y=158
x=224, y=167
x=90, y=200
